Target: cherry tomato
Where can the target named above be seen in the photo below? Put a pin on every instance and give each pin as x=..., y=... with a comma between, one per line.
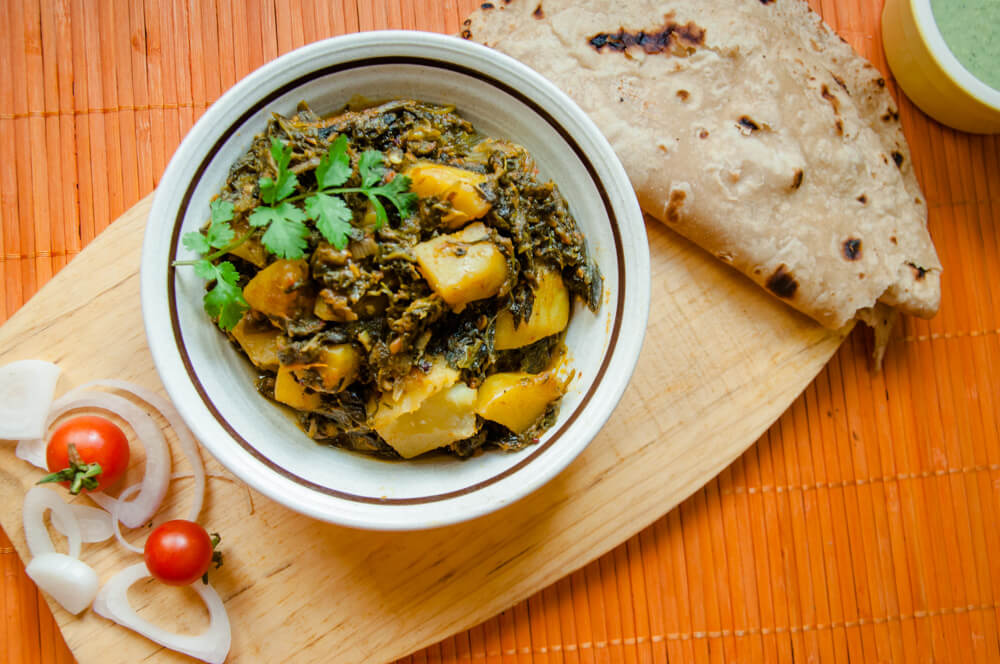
x=95, y=440
x=178, y=552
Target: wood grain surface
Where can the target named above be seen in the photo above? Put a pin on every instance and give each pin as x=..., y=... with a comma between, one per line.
x=860, y=527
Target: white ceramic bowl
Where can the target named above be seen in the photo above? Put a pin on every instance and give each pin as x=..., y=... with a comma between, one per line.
x=212, y=385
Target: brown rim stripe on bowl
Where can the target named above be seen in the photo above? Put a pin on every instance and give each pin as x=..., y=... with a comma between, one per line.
x=427, y=62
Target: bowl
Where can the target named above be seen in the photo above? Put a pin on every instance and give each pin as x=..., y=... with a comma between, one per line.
x=212, y=385
x=931, y=75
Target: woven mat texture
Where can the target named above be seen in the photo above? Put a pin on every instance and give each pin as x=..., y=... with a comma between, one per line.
x=861, y=527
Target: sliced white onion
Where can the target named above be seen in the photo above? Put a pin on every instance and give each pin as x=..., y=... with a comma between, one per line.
x=95, y=523
x=71, y=582
x=123, y=496
x=157, y=475
x=184, y=437
x=26, y=389
x=211, y=646
x=36, y=502
x=32, y=450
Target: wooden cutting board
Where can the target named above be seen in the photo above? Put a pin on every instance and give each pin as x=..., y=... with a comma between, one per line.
x=721, y=361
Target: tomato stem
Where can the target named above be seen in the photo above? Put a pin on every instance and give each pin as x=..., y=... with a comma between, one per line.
x=80, y=475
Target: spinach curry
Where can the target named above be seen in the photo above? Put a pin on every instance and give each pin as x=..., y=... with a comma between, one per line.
x=398, y=279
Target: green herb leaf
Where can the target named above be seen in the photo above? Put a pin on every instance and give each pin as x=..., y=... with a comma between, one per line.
x=335, y=166
x=272, y=191
x=333, y=218
x=371, y=167
x=225, y=300
x=396, y=191
x=205, y=270
x=222, y=211
x=286, y=234
x=196, y=242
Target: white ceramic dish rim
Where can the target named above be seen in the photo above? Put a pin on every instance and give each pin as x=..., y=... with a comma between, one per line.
x=941, y=52
x=398, y=515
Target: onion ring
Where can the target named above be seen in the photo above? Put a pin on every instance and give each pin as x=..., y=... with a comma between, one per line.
x=211, y=646
x=114, y=518
x=155, y=479
x=36, y=501
x=184, y=437
x=95, y=523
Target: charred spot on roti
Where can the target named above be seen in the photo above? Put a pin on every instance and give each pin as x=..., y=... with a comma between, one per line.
x=839, y=126
x=782, y=283
x=670, y=38
x=674, y=205
x=863, y=199
x=890, y=115
x=747, y=123
x=892, y=238
x=797, y=178
x=880, y=82
x=703, y=133
x=918, y=272
x=466, y=34
x=841, y=83
x=538, y=13
x=852, y=248
x=767, y=2
x=486, y=5
x=683, y=95
x=897, y=157
x=830, y=97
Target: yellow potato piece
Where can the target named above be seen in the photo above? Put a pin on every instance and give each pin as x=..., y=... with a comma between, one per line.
x=549, y=315
x=337, y=366
x=455, y=185
x=445, y=417
x=462, y=267
x=288, y=391
x=517, y=400
x=258, y=342
x=273, y=290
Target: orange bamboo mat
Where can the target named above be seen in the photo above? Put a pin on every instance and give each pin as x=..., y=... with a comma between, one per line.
x=862, y=527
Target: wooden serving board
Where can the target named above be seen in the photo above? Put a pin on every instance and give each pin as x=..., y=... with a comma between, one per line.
x=721, y=361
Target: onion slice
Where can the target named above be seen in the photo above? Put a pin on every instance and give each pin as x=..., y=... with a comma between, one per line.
x=32, y=450
x=157, y=475
x=36, y=502
x=123, y=496
x=71, y=582
x=211, y=646
x=95, y=523
x=184, y=437
x=26, y=390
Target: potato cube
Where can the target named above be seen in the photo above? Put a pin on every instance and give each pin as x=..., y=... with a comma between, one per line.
x=259, y=341
x=431, y=409
x=549, y=315
x=463, y=266
x=275, y=291
x=289, y=391
x=517, y=400
x=337, y=367
x=455, y=185
x=445, y=417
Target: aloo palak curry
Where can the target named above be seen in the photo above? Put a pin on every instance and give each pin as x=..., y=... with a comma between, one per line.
x=399, y=280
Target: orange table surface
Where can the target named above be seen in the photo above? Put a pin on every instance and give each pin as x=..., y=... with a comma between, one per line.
x=861, y=527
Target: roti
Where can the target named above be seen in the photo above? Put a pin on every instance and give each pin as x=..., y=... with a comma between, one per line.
x=751, y=128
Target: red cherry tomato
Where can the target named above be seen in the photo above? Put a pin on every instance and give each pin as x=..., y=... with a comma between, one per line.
x=178, y=552
x=96, y=440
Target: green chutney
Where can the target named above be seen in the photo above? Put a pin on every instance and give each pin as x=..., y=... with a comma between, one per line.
x=971, y=28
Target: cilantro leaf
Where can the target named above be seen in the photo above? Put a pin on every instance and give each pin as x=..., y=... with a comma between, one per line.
x=196, y=242
x=220, y=234
x=396, y=191
x=335, y=166
x=286, y=233
x=225, y=300
x=222, y=211
x=272, y=191
x=333, y=218
x=371, y=168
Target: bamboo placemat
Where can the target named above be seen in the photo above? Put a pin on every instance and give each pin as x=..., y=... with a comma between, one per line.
x=861, y=527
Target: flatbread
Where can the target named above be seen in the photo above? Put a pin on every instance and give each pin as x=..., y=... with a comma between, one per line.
x=751, y=128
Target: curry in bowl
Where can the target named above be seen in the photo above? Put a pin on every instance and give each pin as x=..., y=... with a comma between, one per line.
x=400, y=281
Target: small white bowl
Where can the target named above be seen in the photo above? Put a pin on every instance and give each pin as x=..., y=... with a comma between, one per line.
x=212, y=385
